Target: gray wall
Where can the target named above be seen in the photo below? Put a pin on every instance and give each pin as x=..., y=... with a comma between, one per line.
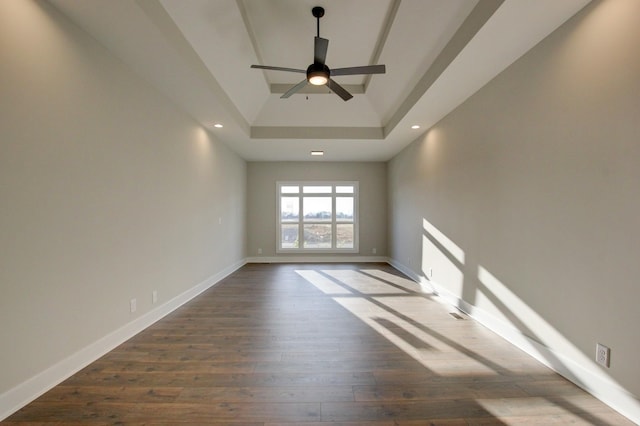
x=107, y=191
x=261, y=201
x=525, y=201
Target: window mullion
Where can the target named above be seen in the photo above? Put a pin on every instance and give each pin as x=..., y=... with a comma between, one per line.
x=334, y=228
x=300, y=219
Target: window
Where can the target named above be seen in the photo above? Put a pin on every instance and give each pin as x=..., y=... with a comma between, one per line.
x=318, y=217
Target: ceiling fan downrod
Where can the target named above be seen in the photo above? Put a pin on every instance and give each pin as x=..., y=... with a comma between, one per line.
x=318, y=12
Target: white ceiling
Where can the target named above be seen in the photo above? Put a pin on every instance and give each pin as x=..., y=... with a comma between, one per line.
x=437, y=54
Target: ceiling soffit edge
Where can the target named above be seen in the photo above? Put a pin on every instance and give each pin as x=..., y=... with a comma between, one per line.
x=161, y=18
x=252, y=36
x=275, y=132
x=478, y=17
x=382, y=38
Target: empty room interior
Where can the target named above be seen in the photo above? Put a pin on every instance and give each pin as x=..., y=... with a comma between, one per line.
x=357, y=212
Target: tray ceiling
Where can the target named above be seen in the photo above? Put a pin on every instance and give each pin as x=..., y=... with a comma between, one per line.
x=199, y=52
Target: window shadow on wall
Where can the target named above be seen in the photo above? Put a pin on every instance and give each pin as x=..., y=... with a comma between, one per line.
x=449, y=269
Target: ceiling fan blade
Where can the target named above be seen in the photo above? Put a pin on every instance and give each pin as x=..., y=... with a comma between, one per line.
x=294, y=89
x=339, y=90
x=367, y=69
x=320, y=47
x=266, y=67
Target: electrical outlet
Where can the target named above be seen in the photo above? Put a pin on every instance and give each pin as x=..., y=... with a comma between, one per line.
x=374, y=250
x=154, y=296
x=133, y=304
x=603, y=355
x=259, y=251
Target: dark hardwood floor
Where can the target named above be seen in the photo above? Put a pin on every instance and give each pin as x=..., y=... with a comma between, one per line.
x=302, y=344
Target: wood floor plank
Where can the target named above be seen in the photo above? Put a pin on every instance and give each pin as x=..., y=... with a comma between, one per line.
x=83, y=394
x=312, y=345
x=177, y=412
x=266, y=394
x=433, y=391
x=406, y=410
x=178, y=379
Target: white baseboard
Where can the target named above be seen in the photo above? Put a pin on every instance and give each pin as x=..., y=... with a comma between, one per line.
x=19, y=396
x=318, y=259
x=424, y=283
x=598, y=385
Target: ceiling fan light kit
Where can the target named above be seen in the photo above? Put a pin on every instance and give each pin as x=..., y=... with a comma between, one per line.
x=318, y=73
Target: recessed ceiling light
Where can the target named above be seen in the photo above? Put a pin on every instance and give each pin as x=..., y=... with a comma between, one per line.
x=317, y=153
x=415, y=126
x=217, y=126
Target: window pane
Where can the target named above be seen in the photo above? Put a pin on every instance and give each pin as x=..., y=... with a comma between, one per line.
x=316, y=209
x=317, y=216
x=316, y=189
x=344, y=239
x=344, y=189
x=289, y=209
x=317, y=236
x=289, y=237
x=344, y=209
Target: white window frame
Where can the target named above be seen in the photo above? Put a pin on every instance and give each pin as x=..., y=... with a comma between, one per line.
x=334, y=221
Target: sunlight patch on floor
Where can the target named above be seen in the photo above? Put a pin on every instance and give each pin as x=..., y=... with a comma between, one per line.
x=322, y=283
x=509, y=410
x=362, y=283
x=393, y=279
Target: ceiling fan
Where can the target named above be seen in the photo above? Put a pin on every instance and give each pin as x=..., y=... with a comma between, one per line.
x=318, y=73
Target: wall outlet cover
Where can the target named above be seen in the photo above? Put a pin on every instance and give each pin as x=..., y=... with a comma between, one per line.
x=603, y=355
